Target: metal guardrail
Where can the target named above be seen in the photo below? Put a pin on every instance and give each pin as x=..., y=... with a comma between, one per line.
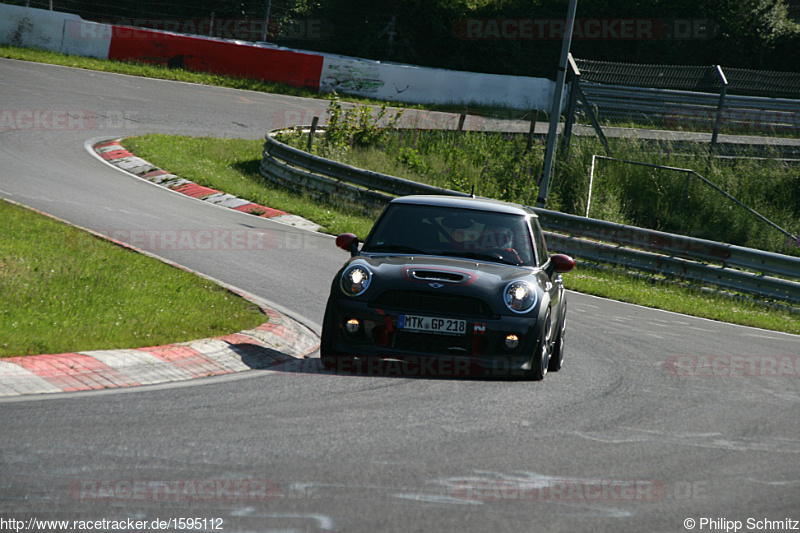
x=733, y=267
x=694, y=108
x=301, y=171
x=347, y=173
x=720, y=276
x=723, y=265
x=671, y=244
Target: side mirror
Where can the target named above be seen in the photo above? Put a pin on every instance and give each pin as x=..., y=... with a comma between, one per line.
x=562, y=263
x=348, y=242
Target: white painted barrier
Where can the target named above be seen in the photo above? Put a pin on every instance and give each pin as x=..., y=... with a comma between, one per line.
x=87, y=39
x=414, y=84
x=35, y=28
x=53, y=31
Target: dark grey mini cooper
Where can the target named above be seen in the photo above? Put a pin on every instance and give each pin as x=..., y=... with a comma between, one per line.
x=458, y=285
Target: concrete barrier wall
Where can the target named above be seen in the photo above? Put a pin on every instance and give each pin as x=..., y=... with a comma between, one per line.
x=53, y=31
x=414, y=84
x=232, y=58
x=69, y=34
x=36, y=28
x=87, y=39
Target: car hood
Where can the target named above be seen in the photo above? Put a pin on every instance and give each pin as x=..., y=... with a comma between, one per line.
x=444, y=275
x=476, y=270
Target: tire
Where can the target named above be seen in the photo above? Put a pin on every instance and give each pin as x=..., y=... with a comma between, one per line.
x=329, y=362
x=328, y=358
x=557, y=357
x=540, y=361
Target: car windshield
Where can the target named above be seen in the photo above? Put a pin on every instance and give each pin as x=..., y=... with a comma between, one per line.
x=453, y=232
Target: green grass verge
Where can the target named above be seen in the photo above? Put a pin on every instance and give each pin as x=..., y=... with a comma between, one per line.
x=149, y=71
x=682, y=298
x=65, y=290
x=231, y=165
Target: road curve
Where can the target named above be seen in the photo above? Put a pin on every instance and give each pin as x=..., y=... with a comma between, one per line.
x=655, y=418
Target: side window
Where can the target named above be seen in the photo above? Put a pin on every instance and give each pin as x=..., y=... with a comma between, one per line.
x=541, y=246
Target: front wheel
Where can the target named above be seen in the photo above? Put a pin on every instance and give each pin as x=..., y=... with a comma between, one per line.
x=328, y=358
x=557, y=359
x=540, y=361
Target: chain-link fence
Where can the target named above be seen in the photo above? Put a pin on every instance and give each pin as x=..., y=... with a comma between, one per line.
x=711, y=99
x=706, y=79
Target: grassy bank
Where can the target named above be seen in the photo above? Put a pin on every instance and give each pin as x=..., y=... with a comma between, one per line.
x=148, y=71
x=64, y=290
x=232, y=166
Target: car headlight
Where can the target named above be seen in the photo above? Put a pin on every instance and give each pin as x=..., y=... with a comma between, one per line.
x=520, y=296
x=356, y=280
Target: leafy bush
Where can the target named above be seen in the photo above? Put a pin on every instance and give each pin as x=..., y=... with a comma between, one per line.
x=358, y=125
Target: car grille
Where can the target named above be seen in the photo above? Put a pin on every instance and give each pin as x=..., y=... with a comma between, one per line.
x=428, y=344
x=427, y=302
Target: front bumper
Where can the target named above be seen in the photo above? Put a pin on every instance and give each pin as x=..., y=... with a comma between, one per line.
x=481, y=350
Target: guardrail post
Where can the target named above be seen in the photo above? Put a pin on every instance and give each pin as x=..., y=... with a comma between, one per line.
x=720, y=108
x=532, y=130
x=461, y=119
x=688, y=183
x=312, y=132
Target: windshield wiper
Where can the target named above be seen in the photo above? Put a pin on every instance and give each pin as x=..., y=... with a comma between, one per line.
x=393, y=248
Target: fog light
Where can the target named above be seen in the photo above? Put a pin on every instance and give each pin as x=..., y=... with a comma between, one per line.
x=512, y=341
x=352, y=325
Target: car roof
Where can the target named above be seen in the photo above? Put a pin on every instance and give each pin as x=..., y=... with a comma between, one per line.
x=466, y=202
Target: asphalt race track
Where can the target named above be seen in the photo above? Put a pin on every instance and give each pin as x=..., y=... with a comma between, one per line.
x=635, y=434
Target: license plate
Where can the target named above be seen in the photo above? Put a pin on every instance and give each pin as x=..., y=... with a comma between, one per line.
x=428, y=324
